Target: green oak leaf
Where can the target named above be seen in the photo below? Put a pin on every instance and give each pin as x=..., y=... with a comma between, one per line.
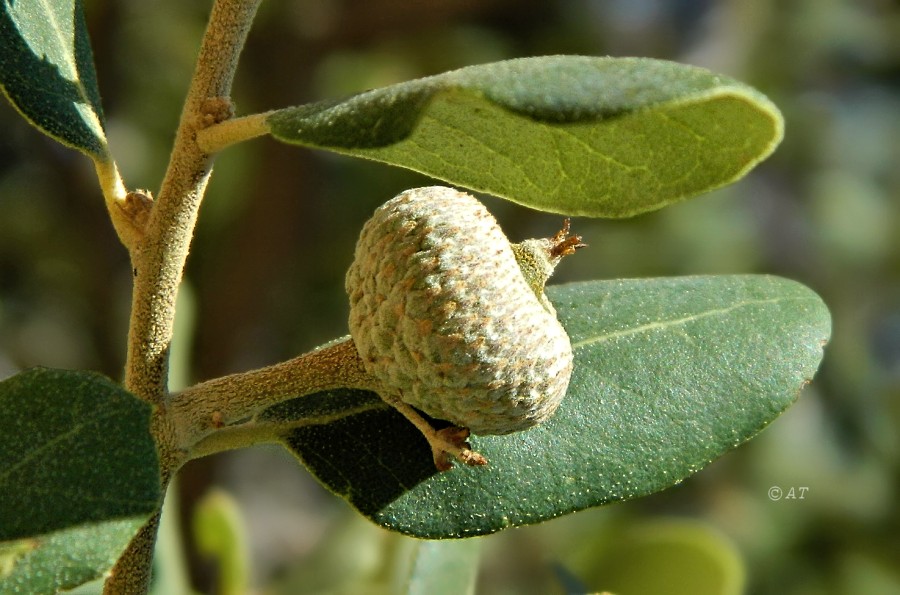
x=75, y=450
x=47, y=71
x=65, y=559
x=604, y=137
x=669, y=375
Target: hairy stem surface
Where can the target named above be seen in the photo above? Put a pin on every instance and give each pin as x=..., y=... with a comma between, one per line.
x=159, y=255
x=201, y=409
x=224, y=134
x=159, y=259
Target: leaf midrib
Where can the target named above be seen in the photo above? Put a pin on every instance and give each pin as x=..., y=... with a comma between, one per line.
x=54, y=23
x=59, y=438
x=664, y=324
x=68, y=61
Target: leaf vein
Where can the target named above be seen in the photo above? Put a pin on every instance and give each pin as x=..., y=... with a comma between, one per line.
x=30, y=456
x=478, y=140
x=664, y=324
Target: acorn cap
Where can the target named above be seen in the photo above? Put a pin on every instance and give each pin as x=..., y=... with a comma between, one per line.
x=444, y=319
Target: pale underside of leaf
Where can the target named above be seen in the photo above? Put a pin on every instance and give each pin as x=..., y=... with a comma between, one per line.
x=606, y=137
x=669, y=375
x=583, y=168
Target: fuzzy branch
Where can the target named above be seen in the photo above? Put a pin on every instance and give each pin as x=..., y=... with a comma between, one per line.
x=159, y=256
x=202, y=409
x=159, y=259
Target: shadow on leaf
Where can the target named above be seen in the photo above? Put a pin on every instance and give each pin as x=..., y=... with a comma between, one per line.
x=36, y=85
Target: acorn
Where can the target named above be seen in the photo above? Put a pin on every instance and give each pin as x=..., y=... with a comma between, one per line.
x=451, y=319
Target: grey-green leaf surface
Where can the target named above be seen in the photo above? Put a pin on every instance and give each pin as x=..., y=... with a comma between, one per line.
x=65, y=559
x=669, y=375
x=75, y=449
x=47, y=71
x=604, y=137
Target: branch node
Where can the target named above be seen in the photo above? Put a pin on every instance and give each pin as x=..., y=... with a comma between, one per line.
x=215, y=110
x=137, y=207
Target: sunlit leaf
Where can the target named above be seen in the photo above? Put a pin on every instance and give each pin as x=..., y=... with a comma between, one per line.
x=47, y=71
x=669, y=375
x=609, y=137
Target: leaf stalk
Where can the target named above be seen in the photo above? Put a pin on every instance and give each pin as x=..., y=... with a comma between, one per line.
x=232, y=131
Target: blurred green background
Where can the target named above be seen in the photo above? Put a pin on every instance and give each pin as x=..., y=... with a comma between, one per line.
x=278, y=227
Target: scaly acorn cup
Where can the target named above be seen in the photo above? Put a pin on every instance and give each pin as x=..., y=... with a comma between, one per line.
x=452, y=320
